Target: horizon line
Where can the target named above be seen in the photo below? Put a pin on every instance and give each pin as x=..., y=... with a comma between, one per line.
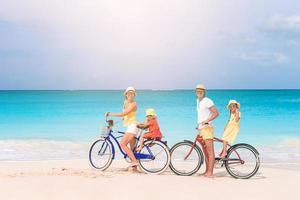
x=147, y=89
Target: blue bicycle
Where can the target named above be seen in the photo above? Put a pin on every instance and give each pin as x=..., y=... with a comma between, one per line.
x=154, y=158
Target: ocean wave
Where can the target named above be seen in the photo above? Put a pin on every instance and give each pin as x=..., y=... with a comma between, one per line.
x=41, y=149
x=286, y=151
x=290, y=142
x=40, y=143
x=297, y=100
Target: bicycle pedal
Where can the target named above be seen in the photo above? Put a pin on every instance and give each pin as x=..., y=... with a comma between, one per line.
x=218, y=163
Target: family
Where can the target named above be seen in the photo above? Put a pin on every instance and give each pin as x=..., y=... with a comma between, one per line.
x=207, y=112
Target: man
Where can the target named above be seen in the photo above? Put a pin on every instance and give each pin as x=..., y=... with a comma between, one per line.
x=207, y=112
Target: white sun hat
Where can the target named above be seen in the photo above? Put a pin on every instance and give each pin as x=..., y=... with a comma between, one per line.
x=130, y=89
x=201, y=87
x=233, y=102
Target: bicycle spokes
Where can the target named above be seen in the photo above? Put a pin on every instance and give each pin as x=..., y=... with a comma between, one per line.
x=242, y=161
x=100, y=154
x=186, y=159
x=157, y=157
x=103, y=149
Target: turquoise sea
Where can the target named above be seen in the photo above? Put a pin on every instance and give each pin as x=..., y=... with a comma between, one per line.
x=62, y=124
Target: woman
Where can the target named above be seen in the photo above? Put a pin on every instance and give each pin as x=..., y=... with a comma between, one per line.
x=129, y=119
x=207, y=112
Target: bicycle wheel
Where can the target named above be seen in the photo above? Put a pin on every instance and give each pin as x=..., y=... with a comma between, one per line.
x=185, y=160
x=161, y=157
x=242, y=161
x=100, y=154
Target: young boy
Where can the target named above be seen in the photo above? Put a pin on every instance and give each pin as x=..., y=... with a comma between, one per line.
x=152, y=124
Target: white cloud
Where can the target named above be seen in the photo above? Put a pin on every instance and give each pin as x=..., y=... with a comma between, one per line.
x=284, y=26
x=88, y=39
x=293, y=42
x=125, y=38
x=232, y=35
x=250, y=40
x=265, y=58
x=284, y=23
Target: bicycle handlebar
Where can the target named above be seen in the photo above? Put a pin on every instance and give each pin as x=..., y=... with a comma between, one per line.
x=110, y=121
x=106, y=115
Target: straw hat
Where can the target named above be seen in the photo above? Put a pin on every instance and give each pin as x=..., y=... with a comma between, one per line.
x=201, y=87
x=150, y=111
x=233, y=102
x=130, y=89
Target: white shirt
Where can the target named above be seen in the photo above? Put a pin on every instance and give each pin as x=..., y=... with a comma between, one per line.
x=203, y=110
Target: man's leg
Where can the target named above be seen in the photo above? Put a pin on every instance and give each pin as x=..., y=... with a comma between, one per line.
x=205, y=154
x=210, y=157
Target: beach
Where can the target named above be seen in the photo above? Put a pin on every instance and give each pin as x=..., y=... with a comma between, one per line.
x=75, y=179
x=78, y=79
x=45, y=138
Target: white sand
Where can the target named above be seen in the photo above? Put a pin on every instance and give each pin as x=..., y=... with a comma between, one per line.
x=75, y=179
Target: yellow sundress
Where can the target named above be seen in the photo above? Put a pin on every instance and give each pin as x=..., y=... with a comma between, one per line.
x=232, y=129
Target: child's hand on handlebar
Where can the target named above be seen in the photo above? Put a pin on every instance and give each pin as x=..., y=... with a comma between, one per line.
x=141, y=125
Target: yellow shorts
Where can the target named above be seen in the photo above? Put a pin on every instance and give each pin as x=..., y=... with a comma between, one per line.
x=207, y=133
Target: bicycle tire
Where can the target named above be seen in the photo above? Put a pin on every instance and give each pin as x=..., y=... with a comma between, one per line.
x=152, y=147
x=106, y=147
x=236, y=173
x=196, y=151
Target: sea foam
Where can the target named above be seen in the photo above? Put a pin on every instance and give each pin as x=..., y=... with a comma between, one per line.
x=41, y=149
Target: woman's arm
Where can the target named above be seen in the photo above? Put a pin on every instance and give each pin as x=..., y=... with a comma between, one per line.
x=127, y=110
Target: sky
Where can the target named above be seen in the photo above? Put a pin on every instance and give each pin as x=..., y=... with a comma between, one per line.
x=170, y=44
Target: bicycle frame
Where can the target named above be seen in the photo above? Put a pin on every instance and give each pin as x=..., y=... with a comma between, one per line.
x=138, y=156
x=239, y=160
x=200, y=140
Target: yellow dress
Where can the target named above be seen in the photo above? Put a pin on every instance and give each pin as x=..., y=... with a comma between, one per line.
x=232, y=129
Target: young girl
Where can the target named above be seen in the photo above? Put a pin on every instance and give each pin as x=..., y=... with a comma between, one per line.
x=232, y=128
x=152, y=124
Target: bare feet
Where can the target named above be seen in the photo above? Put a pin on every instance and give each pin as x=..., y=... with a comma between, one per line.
x=208, y=175
x=132, y=169
x=134, y=164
